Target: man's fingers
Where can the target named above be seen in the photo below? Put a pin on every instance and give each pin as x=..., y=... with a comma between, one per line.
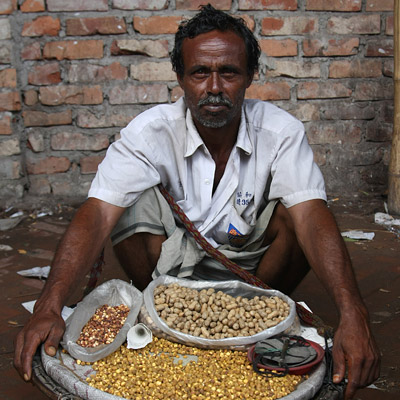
x=28, y=351
x=354, y=377
x=18, y=346
x=339, y=365
x=53, y=340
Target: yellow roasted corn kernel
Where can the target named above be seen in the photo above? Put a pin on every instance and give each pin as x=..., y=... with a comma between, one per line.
x=153, y=373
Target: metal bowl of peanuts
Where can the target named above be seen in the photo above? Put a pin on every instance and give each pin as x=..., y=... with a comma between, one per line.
x=228, y=314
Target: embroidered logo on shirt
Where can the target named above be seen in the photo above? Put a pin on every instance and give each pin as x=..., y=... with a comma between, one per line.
x=236, y=239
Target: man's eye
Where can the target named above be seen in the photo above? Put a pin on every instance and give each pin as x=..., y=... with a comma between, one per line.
x=200, y=73
x=228, y=73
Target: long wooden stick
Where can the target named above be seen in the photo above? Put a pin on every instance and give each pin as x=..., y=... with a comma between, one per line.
x=394, y=165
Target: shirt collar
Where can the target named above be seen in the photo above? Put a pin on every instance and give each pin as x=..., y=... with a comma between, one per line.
x=194, y=140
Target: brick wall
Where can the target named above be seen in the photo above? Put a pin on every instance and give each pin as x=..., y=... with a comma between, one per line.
x=74, y=72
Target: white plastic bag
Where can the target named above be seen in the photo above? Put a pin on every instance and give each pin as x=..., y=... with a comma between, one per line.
x=149, y=316
x=112, y=293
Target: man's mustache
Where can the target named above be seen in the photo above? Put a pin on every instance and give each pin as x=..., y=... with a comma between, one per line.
x=217, y=100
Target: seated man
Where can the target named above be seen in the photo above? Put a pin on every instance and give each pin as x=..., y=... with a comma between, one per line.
x=243, y=173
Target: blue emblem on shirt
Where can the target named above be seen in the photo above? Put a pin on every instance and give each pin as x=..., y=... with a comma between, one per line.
x=236, y=239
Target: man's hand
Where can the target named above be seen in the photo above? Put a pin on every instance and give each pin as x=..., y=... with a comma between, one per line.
x=43, y=327
x=355, y=347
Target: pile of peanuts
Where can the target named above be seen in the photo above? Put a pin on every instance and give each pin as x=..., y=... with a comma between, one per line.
x=216, y=315
x=153, y=373
x=103, y=326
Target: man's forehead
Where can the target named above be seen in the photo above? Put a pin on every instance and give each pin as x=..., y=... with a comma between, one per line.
x=215, y=43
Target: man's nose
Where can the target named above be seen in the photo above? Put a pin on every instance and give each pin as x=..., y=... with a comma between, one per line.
x=214, y=83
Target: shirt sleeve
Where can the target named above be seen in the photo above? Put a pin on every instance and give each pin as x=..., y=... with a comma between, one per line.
x=127, y=170
x=295, y=176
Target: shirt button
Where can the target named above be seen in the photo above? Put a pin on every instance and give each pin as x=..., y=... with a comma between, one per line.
x=207, y=181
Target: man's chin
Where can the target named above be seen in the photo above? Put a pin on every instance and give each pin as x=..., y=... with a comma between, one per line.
x=213, y=123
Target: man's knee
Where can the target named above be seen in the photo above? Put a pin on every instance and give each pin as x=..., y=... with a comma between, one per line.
x=139, y=246
x=281, y=223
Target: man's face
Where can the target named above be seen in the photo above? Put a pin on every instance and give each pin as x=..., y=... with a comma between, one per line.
x=215, y=77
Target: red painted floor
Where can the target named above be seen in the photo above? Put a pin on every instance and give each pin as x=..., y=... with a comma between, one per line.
x=376, y=262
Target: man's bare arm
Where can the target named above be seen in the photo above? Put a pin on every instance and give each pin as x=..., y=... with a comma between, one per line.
x=76, y=253
x=327, y=254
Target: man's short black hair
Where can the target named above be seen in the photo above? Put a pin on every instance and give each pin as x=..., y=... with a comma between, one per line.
x=207, y=20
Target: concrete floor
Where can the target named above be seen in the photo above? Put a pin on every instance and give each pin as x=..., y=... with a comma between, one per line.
x=376, y=262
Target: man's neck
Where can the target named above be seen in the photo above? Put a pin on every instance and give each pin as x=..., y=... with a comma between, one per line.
x=219, y=141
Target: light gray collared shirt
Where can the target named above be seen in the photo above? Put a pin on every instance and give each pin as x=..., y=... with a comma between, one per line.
x=271, y=160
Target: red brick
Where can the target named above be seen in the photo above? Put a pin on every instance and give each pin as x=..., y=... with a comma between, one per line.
x=176, y=93
x=373, y=91
x=10, y=101
x=388, y=68
x=79, y=73
x=288, y=5
x=333, y=5
x=88, y=119
x=269, y=91
x=131, y=94
x=32, y=52
x=42, y=26
x=5, y=124
x=279, y=48
x=8, y=6
x=295, y=69
x=380, y=48
x=5, y=29
x=156, y=25
x=361, y=24
x=66, y=188
x=5, y=53
x=140, y=4
x=49, y=165
x=152, y=71
x=56, y=95
x=333, y=133
x=93, y=26
x=30, y=97
x=79, y=141
x=334, y=47
x=39, y=185
x=389, y=25
x=9, y=147
x=305, y=111
x=251, y=24
x=35, y=142
x=73, y=49
x=289, y=25
x=319, y=155
x=195, y=4
x=324, y=90
x=378, y=132
x=355, y=69
x=77, y=5
x=151, y=48
x=380, y=5
x=8, y=77
x=41, y=118
x=10, y=169
x=349, y=111
x=33, y=6
x=47, y=74
x=89, y=164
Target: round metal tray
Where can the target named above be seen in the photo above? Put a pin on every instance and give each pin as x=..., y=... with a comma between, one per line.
x=60, y=378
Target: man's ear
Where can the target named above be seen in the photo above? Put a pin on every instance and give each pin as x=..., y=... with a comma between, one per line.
x=180, y=80
x=250, y=78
